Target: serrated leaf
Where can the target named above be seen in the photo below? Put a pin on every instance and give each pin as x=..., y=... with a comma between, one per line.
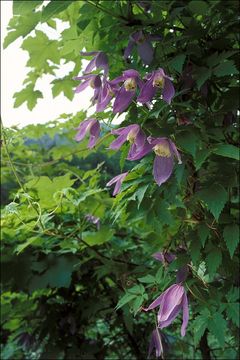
x=136, y=305
x=65, y=86
x=200, y=157
x=227, y=150
x=195, y=248
x=28, y=95
x=124, y=300
x=226, y=68
x=54, y=8
x=203, y=75
x=198, y=6
x=232, y=310
x=203, y=232
x=177, y=62
x=99, y=237
x=231, y=237
x=214, y=260
x=200, y=324
x=215, y=197
x=148, y=279
x=188, y=141
x=22, y=7
x=217, y=325
x=124, y=152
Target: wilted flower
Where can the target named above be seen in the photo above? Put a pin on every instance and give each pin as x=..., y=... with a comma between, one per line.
x=118, y=181
x=157, y=80
x=100, y=60
x=133, y=134
x=155, y=343
x=171, y=302
x=93, y=127
x=164, y=257
x=94, y=220
x=165, y=150
x=144, y=46
x=127, y=92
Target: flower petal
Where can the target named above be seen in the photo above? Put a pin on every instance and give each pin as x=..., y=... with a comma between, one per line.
x=175, y=151
x=172, y=298
x=147, y=92
x=90, y=66
x=162, y=169
x=82, y=86
x=172, y=316
x=168, y=90
x=117, y=143
x=155, y=303
x=129, y=49
x=145, y=51
x=94, y=134
x=82, y=129
x=123, y=100
x=133, y=155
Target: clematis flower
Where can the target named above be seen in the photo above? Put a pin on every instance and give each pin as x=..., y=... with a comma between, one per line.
x=94, y=220
x=131, y=80
x=107, y=92
x=133, y=134
x=93, y=127
x=144, y=46
x=155, y=343
x=164, y=257
x=171, y=302
x=157, y=80
x=118, y=181
x=100, y=60
x=89, y=80
x=165, y=150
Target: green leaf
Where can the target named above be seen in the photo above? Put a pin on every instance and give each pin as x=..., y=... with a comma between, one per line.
x=231, y=237
x=54, y=8
x=214, y=260
x=177, y=62
x=203, y=233
x=28, y=95
x=124, y=300
x=195, y=248
x=203, y=75
x=63, y=85
x=217, y=325
x=200, y=157
x=215, y=197
x=227, y=150
x=226, y=68
x=99, y=237
x=200, y=323
x=23, y=7
x=124, y=152
x=148, y=279
x=232, y=310
x=188, y=141
x=136, y=305
x=198, y=6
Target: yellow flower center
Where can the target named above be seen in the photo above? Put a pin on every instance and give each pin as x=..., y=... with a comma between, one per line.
x=130, y=84
x=92, y=83
x=159, y=81
x=162, y=150
x=132, y=136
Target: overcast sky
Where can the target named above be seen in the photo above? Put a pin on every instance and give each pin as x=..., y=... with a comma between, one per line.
x=13, y=73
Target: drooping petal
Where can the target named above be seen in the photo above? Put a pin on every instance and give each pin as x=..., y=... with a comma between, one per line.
x=147, y=92
x=172, y=298
x=94, y=134
x=185, y=315
x=118, y=180
x=82, y=86
x=123, y=100
x=182, y=274
x=172, y=316
x=145, y=51
x=82, y=129
x=162, y=169
x=117, y=143
x=129, y=48
x=90, y=66
x=168, y=90
x=175, y=151
x=133, y=155
x=155, y=303
x=155, y=343
x=102, y=61
x=131, y=73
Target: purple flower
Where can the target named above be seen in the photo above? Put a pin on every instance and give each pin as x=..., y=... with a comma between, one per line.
x=155, y=343
x=94, y=220
x=144, y=46
x=89, y=80
x=93, y=127
x=127, y=92
x=164, y=257
x=157, y=80
x=100, y=60
x=171, y=301
x=106, y=94
x=118, y=180
x=133, y=134
x=165, y=150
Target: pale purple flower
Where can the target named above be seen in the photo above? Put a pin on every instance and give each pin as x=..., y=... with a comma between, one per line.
x=155, y=343
x=100, y=60
x=144, y=46
x=90, y=126
x=164, y=257
x=165, y=151
x=107, y=92
x=133, y=134
x=130, y=81
x=171, y=302
x=90, y=80
x=118, y=181
x=157, y=80
x=94, y=220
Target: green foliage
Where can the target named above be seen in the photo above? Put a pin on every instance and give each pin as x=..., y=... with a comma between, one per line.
x=72, y=289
